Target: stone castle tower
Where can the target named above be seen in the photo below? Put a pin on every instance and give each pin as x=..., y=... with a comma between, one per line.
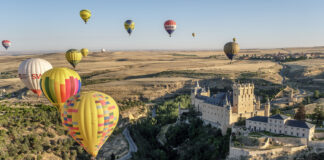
x=267, y=109
x=243, y=98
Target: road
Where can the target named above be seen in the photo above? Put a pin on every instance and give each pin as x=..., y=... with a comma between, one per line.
x=131, y=143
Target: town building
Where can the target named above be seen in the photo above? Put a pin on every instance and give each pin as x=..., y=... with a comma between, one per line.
x=281, y=124
x=223, y=109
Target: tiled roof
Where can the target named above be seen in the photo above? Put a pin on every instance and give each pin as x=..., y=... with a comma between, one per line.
x=298, y=123
x=259, y=119
x=279, y=116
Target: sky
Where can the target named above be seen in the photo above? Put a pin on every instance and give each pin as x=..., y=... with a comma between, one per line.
x=34, y=25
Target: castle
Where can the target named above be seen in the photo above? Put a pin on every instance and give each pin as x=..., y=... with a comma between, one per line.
x=223, y=109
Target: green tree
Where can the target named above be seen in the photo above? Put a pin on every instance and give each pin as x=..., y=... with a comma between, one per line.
x=316, y=94
x=318, y=115
x=301, y=113
x=275, y=111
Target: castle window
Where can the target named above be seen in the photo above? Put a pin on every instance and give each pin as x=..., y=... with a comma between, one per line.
x=303, y=129
x=285, y=132
x=297, y=134
x=303, y=135
x=292, y=133
x=270, y=120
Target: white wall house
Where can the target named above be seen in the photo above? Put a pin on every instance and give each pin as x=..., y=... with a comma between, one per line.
x=281, y=124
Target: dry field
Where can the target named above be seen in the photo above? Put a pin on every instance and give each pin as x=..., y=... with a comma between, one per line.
x=150, y=75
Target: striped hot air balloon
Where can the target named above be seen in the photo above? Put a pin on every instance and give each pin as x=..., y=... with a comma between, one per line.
x=30, y=72
x=85, y=14
x=6, y=44
x=73, y=56
x=59, y=84
x=90, y=118
x=170, y=26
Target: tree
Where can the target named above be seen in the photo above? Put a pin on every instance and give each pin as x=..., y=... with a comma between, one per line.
x=316, y=94
x=301, y=113
x=112, y=156
x=275, y=111
x=318, y=114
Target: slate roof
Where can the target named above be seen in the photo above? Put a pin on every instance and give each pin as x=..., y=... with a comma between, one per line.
x=259, y=119
x=218, y=99
x=290, y=122
x=298, y=123
x=279, y=116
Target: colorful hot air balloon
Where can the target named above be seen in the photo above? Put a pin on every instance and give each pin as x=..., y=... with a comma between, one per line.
x=73, y=56
x=231, y=49
x=30, y=72
x=85, y=15
x=193, y=35
x=84, y=52
x=170, y=26
x=90, y=118
x=6, y=44
x=59, y=84
x=129, y=26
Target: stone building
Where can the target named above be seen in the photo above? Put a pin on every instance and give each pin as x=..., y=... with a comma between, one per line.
x=223, y=109
x=281, y=124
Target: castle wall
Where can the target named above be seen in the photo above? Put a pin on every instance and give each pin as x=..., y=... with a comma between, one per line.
x=217, y=116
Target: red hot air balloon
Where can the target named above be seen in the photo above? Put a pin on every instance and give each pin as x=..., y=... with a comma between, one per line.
x=170, y=26
x=6, y=44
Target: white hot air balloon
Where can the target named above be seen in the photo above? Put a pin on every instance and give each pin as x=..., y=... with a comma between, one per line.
x=103, y=50
x=30, y=72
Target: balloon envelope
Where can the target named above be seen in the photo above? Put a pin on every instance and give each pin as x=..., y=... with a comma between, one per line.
x=90, y=118
x=193, y=35
x=84, y=52
x=85, y=15
x=59, y=84
x=170, y=26
x=231, y=49
x=6, y=44
x=30, y=72
x=129, y=26
x=73, y=56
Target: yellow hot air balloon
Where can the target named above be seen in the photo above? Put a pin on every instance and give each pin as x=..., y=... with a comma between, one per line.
x=231, y=49
x=85, y=15
x=73, y=56
x=59, y=84
x=90, y=118
x=84, y=52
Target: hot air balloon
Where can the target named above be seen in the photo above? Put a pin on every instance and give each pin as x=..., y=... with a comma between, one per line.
x=84, y=52
x=85, y=15
x=193, y=35
x=6, y=44
x=73, y=56
x=59, y=84
x=231, y=49
x=90, y=118
x=129, y=26
x=30, y=72
x=103, y=50
x=170, y=26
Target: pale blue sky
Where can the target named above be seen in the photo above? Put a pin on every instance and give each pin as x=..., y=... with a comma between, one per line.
x=56, y=25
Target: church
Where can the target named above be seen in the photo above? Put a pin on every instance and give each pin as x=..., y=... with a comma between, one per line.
x=223, y=109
